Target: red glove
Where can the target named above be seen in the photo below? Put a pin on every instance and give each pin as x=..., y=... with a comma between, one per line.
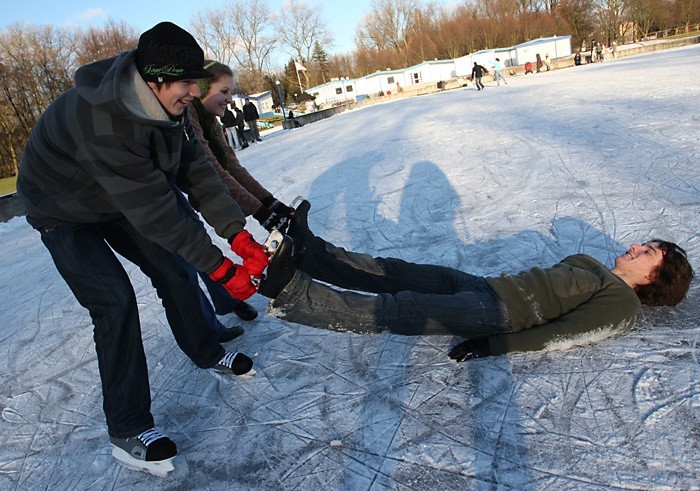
x=255, y=259
x=235, y=278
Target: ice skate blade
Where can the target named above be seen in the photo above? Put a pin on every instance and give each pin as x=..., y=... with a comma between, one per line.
x=273, y=241
x=228, y=377
x=158, y=468
x=297, y=201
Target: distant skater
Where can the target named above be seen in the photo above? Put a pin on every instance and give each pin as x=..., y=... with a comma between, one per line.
x=478, y=71
x=498, y=72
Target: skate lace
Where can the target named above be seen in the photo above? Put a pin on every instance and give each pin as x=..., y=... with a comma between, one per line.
x=149, y=436
x=227, y=360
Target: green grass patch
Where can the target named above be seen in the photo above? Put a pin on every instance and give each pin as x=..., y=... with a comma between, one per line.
x=684, y=35
x=8, y=185
x=273, y=121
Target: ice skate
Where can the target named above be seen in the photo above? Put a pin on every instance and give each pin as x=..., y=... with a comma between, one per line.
x=149, y=452
x=273, y=241
x=281, y=267
x=298, y=228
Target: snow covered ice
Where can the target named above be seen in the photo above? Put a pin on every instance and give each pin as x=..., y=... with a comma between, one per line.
x=587, y=159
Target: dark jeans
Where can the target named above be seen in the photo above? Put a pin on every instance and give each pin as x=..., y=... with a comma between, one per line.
x=84, y=259
x=223, y=302
x=254, y=132
x=411, y=299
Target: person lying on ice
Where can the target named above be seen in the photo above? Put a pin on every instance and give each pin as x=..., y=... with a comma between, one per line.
x=576, y=300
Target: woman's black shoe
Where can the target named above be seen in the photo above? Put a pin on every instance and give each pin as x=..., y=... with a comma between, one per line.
x=230, y=333
x=244, y=311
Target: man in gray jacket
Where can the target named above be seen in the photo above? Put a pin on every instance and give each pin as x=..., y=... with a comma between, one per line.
x=574, y=301
x=101, y=173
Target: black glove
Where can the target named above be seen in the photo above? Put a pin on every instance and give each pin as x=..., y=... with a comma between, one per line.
x=270, y=219
x=471, y=348
x=278, y=207
x=278, y=217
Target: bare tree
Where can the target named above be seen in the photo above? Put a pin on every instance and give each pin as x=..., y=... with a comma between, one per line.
x=687, y=11
x=252, y=23
x=97, y=43
x=239, y=34
x=524, y=6
x=612, y=14
x=448, y=34
x=299, y=28
x=646, y=14
x=387, y=26
x=36, y=66
x=578, y=14
x=215, y=32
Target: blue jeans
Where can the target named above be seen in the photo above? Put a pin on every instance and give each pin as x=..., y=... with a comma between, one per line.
x=223, y=302
x=83, y=254
x=410, y=299
x=498, y=76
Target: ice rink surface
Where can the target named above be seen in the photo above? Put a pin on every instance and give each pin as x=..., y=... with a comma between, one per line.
x=587, y=159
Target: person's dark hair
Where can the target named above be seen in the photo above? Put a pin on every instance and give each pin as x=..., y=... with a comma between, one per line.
x=671, y=278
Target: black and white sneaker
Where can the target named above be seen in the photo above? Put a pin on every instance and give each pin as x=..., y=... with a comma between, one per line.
x=234, y=363
x=150, y=452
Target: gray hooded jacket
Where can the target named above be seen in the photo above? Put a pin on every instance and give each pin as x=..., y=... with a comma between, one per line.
x=106, y=150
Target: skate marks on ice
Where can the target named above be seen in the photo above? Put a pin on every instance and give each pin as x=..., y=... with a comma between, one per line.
x=556, y=171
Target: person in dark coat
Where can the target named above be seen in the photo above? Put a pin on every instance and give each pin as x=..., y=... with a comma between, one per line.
x=478, y=71
x=240, y=127
x=103, y=174
x=251, y=116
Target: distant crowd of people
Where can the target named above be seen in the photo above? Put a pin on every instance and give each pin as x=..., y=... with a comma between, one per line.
x=595, y=52
x=237, y=122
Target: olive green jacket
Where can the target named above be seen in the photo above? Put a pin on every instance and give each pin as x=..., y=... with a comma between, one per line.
x=576, y=299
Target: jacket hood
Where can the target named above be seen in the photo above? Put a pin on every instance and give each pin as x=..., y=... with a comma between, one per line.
x=115, y=86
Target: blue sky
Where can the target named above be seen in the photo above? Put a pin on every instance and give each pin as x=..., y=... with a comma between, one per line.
x=342, y=16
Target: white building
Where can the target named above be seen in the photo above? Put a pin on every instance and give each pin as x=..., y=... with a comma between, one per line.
x=335, y=92
x=387, y=82
x=555, y=47
x=430, y=71
x=338, y=91
x=262, y=101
